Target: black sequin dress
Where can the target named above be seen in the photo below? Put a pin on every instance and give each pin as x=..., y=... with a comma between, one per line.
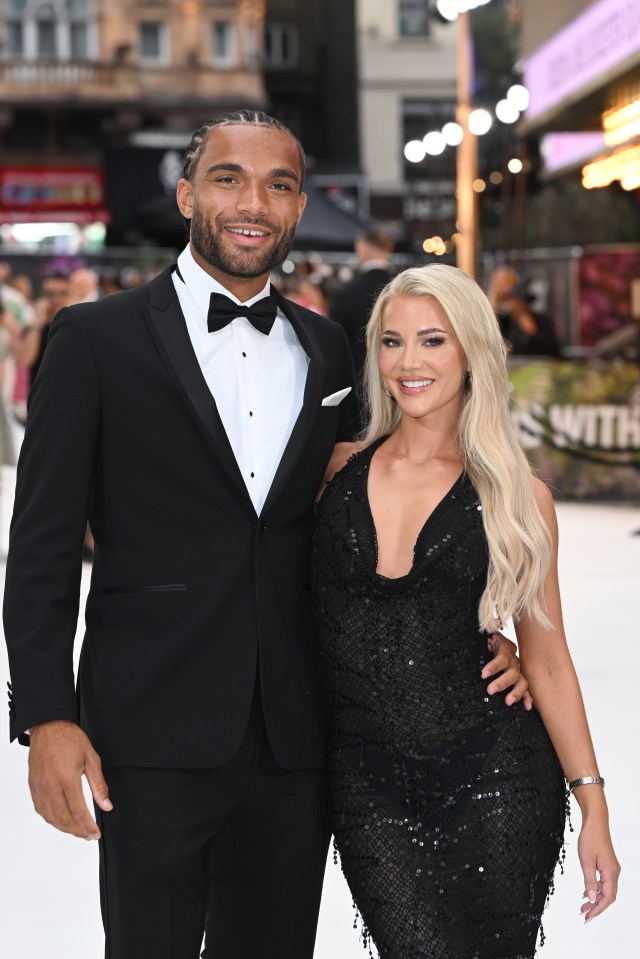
x=448, y=807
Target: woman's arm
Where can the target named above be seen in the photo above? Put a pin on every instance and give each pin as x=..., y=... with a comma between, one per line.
x=547, y=664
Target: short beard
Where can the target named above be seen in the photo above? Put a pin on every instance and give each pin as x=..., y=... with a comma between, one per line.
x=207, y=241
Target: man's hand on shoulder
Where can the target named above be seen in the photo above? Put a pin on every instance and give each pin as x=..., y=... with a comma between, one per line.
x=60, y=754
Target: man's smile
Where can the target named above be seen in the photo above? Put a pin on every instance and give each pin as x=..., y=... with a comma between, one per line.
x=247, y=232
x=248, y=236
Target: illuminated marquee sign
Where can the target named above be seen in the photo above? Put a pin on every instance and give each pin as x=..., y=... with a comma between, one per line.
x=38, y=190
x=621, y=123
x=606, y=36
x=623, y=165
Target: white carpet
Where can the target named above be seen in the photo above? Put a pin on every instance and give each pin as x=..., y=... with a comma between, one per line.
x=48, y=882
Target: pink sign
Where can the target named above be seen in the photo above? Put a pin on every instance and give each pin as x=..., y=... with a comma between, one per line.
x=605, y=35
x=562, y=150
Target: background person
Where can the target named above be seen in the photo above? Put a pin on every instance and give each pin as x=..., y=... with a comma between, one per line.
x=29, y=348
x=528, y=332
x=17, y=313
x=351, y=306
x=84, y=286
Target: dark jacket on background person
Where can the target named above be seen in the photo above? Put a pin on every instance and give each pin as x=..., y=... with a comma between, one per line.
x=351, y=307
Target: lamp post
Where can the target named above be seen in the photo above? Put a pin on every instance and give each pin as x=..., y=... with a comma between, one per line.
x=467, y=156
x=463, y=134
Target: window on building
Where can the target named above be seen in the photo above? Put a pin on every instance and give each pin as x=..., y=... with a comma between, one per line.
x=280, y=45
x=58, y=29
x=15, y=38
x=153, y=41
x=224, y=43
x=79, y=41
x=28, y=131
x=250, y=46
x=413, y=18
x=77, y=130
x=47, y=40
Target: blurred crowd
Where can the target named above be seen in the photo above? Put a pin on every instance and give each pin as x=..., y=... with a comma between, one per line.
x=344, y=291
x=26, y=315
x=27, y=309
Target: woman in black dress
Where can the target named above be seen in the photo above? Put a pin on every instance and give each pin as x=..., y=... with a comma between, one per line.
x=448, y=806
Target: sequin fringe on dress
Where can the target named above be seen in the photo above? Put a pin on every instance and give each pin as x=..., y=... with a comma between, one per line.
x=448, y=807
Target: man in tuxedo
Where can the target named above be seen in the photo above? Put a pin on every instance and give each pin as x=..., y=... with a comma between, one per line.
x=191, y=421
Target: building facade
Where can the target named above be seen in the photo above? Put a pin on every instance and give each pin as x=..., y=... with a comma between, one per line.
x=99, y=97
x=310, y=76
x=407, y=87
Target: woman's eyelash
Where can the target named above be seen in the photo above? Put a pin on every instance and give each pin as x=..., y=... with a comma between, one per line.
x=430, y=341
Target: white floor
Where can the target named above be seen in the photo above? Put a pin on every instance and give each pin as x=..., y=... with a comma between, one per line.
x=48, y=882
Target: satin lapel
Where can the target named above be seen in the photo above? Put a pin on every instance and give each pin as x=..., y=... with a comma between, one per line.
x=169, y=331
x=311, y=401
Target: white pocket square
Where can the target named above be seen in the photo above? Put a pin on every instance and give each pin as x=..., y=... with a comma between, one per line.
x=336, y=398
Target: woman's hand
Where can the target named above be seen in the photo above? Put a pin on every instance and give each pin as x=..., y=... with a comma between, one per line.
x=600, y=867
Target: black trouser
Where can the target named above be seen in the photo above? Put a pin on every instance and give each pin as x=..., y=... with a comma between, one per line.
x=242, y=846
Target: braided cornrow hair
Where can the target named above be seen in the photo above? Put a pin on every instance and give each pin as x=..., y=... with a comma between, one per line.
x=254, y=118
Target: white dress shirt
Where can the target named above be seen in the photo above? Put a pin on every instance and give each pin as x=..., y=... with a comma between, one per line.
x=257, y=381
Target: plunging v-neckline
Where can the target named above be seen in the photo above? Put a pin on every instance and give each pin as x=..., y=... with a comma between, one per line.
x=427, y=523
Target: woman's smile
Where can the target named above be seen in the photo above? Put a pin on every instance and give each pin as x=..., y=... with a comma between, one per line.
x=411, y=386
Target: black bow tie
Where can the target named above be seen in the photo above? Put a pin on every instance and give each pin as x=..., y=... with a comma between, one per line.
x=222, y=311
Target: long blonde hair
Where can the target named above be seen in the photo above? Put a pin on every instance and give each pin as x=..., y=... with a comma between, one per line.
x=518, y=538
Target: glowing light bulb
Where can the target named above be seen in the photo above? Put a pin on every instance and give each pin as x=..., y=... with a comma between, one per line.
x=434, y=143
x=479, y=122
x=414, y=151
x=449, y=9
x=453, y=134
x=507, y=111
x=519, y=96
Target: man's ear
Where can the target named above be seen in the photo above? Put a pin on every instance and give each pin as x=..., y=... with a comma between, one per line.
x=302, y=202
x=184, y=197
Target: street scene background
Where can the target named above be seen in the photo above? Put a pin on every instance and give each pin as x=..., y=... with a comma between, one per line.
x=502, y=136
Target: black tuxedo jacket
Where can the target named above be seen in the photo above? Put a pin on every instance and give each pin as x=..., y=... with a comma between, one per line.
x=190, y=588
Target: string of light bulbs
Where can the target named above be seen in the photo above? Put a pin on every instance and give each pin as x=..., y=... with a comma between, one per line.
x=507, y=110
